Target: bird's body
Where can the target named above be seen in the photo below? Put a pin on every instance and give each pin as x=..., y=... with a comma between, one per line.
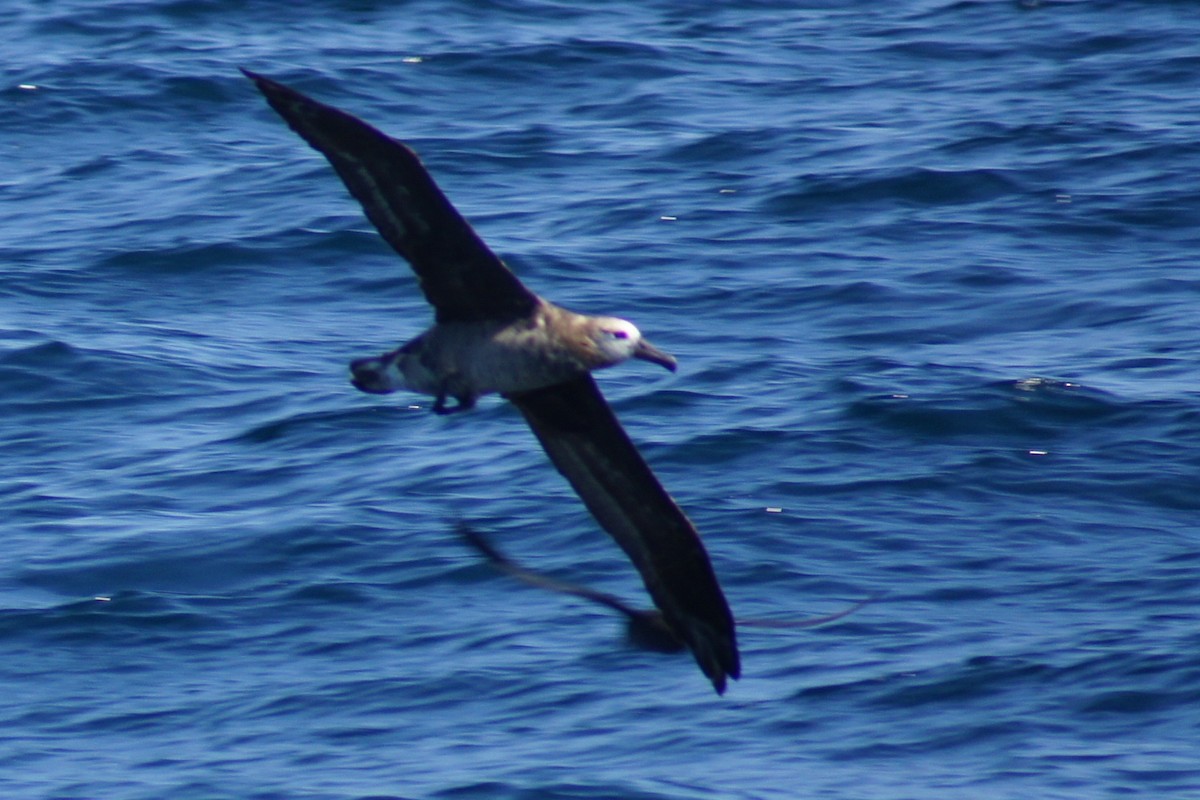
x=493, y=335
x=465, y=360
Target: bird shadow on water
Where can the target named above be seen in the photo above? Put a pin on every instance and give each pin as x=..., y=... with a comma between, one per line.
x=645, y=629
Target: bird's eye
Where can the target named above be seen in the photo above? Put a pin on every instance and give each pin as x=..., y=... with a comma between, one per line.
x=620, y=334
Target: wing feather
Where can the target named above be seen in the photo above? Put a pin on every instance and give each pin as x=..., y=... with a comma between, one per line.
x=589, y=447
x=460, y=276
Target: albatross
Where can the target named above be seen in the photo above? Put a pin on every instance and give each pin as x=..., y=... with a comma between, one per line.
x=493, y=335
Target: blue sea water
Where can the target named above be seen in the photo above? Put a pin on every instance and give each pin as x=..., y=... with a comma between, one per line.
x=930, y=269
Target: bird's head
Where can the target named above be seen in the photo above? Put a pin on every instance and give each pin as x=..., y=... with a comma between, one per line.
x=618, y=340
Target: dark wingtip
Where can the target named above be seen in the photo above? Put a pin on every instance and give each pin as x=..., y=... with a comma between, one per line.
x=266, y=85
x=270, y=89
x=715, y=653
x=720, y=672
x=260, y=80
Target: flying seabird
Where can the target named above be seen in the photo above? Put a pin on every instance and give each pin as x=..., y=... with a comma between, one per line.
x=493, y=335
x=644, y=627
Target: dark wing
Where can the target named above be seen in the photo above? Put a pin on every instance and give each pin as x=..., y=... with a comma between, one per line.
x=460, y=276
x=590, y=448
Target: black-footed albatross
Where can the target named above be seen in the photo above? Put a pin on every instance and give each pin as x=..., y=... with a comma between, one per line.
x=491, y=334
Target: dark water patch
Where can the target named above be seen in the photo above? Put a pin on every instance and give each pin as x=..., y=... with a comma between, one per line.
x=330, y=593
x=982, y=276
x=1029, y=139
x=978, y=678
x=92, y=166
x=1137, y=702
x=312, y=428
x=182, y=259
x=40, y=355
x=961, y=594
x=137, y=617
x=561, y=64
x=824, y=194
x=54, y=377
x=726, y=148
x=967, y=318
x=565, y=790
x=954, y=50
x=1036, y=407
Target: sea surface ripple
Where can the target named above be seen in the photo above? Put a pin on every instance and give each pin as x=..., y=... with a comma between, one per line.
x=930, y=269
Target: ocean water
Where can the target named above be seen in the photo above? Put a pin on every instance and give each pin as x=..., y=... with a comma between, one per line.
x=930, y=269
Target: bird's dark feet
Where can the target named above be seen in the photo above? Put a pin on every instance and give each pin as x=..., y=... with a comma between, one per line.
x=465, y=403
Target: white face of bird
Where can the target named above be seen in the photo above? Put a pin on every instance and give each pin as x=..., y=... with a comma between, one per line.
x=619, y=340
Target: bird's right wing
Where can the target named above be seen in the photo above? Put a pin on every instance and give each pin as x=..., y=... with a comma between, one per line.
x=585, y=441
x=461, y=277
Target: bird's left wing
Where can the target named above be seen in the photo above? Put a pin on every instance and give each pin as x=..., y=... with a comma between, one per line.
x=585, y=441
x=461, y=277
